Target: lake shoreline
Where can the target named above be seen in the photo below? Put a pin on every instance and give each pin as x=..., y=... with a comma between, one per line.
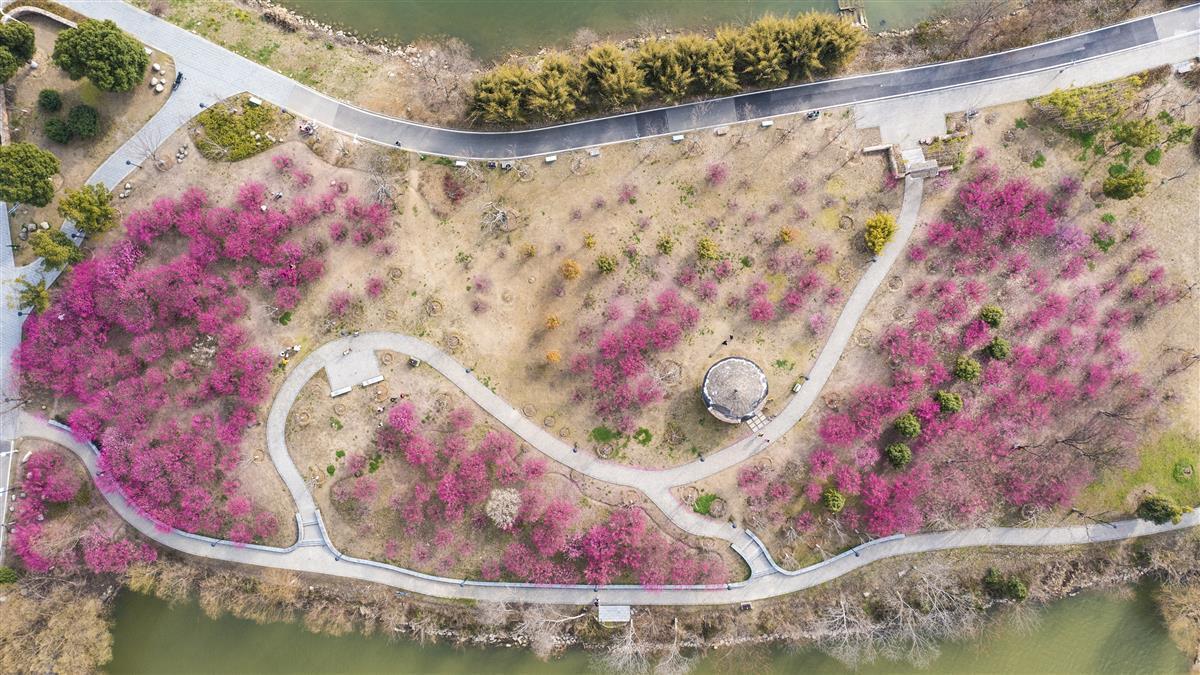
x=789, y=622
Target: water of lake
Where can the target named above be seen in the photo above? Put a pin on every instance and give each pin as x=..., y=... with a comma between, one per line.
x=494, y=27
x=1091, y=633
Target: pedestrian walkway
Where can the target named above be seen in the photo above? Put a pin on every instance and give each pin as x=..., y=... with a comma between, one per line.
x=310, y=556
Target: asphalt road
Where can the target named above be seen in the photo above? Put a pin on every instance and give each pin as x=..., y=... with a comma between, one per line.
x=217, y=73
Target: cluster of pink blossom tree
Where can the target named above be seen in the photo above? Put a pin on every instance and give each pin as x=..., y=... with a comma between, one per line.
x=1047, y=396
x=43, y=541
x=548, y=540
x=621, y=381
x=144, y=338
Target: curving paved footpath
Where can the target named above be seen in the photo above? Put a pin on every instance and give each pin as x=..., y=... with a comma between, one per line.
x=322, y=558
x=654, y=483
x=213, y=73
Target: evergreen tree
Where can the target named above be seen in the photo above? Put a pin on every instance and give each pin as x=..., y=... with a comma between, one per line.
x=33, y=297
x=711, y=65
x=90, y=207
x=17, y=39
x=610, y=80
x=555, y=90
x=665, y=69
x=103, y=53
x=25, y=172
x=499, y=95
x=55, y=248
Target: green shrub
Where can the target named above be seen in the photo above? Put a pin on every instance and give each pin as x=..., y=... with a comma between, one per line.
x=1159, y=509
x=49, y=100
x=7, y=575
x=898, y=454
x=84, y=121
x=992, y=315
x=967, y=369
x=642, y=436
x=1137, y=133
x=948, y=401
x=1153, y=156
x=232, y=135
x=880, y=228
x=707, y=249
x=1004, y=587
x=704, y=503
x=606, y=264
x=666, y=245
x=833, y=500
x=908, y=425
x=1039, y=161
x=57, y=130
x=1126, y=185
x=999, y=348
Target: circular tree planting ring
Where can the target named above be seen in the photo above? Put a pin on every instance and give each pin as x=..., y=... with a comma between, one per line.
x=433, y=307
x=605, y=451
x=454, y=342
x=339, y=409
x=690, y=493
x=895, y=282
x=528, y=410
x=548, y=422
x=845, y=222
x=670, y=372
x=395, y=273
x=717, y=508
x=303, y=418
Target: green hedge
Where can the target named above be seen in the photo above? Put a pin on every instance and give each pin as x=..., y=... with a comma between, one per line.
x=767, y=53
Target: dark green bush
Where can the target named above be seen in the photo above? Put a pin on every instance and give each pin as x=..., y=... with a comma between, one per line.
x=967, y=369
x=7, y=575
x=57, y=130
x=992, y=315
x=50, y=100
x=948, y=401
x=908, y=425
x=1159, y=509
x=833, y=500
x=999, y=348
x=898, y=454
x=84, y=121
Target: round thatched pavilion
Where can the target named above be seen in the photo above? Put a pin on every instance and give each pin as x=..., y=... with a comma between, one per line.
x=734, y=389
